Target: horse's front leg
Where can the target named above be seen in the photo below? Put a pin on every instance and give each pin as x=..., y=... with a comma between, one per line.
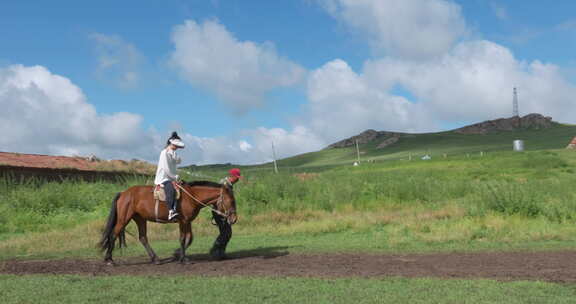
x=186, y=238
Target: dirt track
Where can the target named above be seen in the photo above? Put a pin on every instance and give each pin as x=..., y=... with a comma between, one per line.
x=276, y=262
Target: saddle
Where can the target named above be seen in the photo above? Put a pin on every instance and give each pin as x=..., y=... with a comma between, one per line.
x=160, y=194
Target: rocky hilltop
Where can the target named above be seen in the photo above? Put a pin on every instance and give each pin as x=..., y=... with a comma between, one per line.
x=385, y=139
x=530, y=121
x=366, y=137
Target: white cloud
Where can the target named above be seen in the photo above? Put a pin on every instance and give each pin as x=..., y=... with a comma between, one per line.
x=118, y=60
x=298, y=139
x=416, y=29
x=239, y=73
x=244, y=146
x=255, y=148
x=344, y=103
x=46, y=113
x=474, y=82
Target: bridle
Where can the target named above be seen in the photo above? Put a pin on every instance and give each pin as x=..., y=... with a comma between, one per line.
x=219, y=202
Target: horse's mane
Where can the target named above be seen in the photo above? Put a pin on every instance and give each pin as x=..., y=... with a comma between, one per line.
x=204, y=183
x=210, y=184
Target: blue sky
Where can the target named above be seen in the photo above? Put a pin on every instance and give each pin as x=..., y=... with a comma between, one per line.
x=115, y=78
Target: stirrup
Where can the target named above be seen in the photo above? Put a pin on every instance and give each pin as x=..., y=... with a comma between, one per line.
x=172, y=214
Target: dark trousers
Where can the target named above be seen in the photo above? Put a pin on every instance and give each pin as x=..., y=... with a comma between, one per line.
x=218, y=250
x=170, y=194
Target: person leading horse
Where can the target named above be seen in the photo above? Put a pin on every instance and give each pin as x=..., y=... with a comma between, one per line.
x=218, y=250
x=138, y=203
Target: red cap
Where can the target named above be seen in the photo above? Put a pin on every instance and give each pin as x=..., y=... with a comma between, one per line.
x=235, y=172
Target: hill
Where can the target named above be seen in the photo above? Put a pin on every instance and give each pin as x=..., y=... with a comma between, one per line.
x=537, y=131
x=90, y=163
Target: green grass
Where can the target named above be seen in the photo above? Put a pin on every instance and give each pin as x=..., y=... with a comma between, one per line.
x=504, y=200
x=465, y=202
x=71, y=245
x=177, y=289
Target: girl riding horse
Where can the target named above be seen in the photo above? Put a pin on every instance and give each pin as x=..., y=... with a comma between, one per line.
x=137, y=203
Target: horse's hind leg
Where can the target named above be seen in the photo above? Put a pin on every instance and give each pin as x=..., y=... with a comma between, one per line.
x=118, y=230
x=108, y=254
x=142, y=236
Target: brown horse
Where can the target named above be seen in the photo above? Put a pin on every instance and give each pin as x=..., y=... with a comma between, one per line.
x=137, y=203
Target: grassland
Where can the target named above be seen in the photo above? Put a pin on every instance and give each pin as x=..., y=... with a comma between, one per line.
x=124, y=289
x=502, y=200
x=464, y=202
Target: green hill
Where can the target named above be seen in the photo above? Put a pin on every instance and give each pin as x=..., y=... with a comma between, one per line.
x=436, y=145
x=538, y=133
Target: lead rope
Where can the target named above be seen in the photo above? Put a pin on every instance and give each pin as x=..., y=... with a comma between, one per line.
x=201, y=203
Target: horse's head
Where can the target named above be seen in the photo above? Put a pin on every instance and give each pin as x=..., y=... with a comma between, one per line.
x=227, y=204
x=216, y=196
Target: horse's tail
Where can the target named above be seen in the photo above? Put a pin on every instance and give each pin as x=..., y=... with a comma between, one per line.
x=107, y=241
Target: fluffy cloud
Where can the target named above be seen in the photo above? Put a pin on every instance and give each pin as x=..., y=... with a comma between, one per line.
x=449, y=80
x=118, y=60
x=254, y=147
x=416, y=29
x=344, y=103
x=240, y=73
x=474, y=81
x=46, y=113
x=298, y=139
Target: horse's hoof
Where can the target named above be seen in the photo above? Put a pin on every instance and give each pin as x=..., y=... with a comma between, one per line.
x=110, y=263
x=184, y=262
x=155, y=262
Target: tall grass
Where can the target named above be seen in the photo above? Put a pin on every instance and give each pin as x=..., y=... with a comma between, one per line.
x=37, y=206
x=501, y=197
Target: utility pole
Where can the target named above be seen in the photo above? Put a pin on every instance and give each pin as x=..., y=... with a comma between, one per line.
x=274, y=155
x=357, y=151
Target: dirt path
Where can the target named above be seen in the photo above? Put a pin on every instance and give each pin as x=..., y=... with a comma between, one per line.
x=559, y=266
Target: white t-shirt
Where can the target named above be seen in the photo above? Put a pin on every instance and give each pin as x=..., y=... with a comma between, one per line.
x=167, y=166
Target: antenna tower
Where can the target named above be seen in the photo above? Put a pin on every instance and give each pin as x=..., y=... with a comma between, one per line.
x=515, y=104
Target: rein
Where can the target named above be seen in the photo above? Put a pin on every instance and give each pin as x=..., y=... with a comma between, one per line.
x=220, y=199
